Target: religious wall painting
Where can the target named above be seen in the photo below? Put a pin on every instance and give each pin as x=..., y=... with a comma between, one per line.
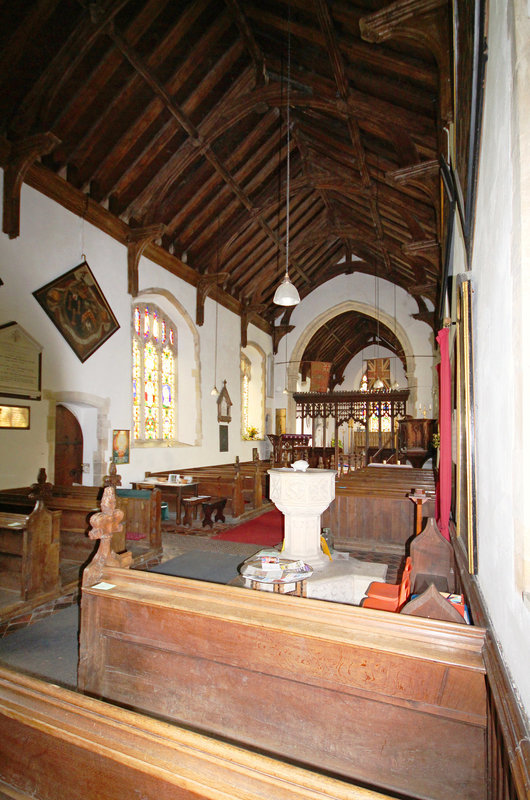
x=77, y=307
x=121, y=446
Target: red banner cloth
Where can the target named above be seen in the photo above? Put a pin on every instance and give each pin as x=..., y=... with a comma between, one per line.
x=443, y=487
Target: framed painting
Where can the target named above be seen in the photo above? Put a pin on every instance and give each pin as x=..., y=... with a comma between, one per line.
x=121, y=446
x=78, y=309
x=466, y=500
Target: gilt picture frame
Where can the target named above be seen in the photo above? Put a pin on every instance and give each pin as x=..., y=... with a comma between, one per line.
x=77, y=307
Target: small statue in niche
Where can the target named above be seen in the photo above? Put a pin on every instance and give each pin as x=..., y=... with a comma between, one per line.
x=224, y=404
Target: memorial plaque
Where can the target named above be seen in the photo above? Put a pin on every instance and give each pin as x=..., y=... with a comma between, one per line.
x=20, y=363
x=14, y=417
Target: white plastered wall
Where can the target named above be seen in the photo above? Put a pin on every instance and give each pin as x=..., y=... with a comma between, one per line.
x=50, y=243
x=501, y=276
x=357, y=293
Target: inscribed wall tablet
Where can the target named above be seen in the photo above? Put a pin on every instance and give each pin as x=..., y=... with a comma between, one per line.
x=20, y=363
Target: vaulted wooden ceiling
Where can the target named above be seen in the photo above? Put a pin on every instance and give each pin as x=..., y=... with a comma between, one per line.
x=165, y=123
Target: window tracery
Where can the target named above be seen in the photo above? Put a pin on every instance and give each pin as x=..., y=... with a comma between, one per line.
x=154, y=354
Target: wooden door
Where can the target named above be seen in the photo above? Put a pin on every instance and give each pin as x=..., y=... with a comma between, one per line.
x=68, y=448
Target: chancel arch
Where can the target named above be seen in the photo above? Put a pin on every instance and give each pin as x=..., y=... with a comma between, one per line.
x=326, y=318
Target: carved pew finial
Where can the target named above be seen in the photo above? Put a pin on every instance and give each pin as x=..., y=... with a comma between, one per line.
x=42, y=490
x=104, y=524
x=112, y=479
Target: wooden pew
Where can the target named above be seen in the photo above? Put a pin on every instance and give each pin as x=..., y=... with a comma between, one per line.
x=29, y=552
x=372, y=510
x=57, y=744
x=241, y=483
x=77, y=503
x=394, y=702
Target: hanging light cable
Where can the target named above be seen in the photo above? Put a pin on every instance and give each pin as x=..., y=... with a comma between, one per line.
x=215, y=390
x=395, y=385
x=287, y=294
x=286, y=390
x=378, y=383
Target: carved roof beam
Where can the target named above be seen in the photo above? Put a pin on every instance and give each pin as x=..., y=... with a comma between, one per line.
x=321, y=192
x=203, y=221
x=204, y=147
x=252, y=46
x=116, y=180
x=248, y=310
x=244, y=155
x=69, y=113
x=426, y=21
x=278, y=332
x=20, y=158
x=137, y=241
x=402, y=65
x=204, y=288
x=341, y=80
x=301, y=216
x=104, y=127
x=46, y=88
x=165, y=179
x=425, y=177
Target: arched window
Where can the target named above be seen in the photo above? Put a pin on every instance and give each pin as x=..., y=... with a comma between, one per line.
x=245, y=395
x=154, y=356
x=252, y=371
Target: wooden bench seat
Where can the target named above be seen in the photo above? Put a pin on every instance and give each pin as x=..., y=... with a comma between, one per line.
x=29, y=552
x=373, y=511
x=243, y=484
x=77, y=504
x=253, y=667
x=58, y=744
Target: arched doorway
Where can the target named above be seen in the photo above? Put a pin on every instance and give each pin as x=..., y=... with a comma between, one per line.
x=68, y=448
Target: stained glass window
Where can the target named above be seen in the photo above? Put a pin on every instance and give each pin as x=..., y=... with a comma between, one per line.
x=245, y=386
x=153, y=375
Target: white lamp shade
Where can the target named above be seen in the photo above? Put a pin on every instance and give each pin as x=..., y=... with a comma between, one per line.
x=215, y=392
x=286, y=294
x=378, y=384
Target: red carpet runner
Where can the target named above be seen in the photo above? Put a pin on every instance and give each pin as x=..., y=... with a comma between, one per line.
x=266, y=530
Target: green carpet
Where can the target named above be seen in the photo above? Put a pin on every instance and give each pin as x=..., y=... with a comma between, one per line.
x=202, y=565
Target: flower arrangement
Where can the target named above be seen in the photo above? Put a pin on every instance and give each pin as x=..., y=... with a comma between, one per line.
x=251, y=433
x=436, y=440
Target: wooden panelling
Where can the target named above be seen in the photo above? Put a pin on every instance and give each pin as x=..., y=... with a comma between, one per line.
x=253, y=667
x=56, y=744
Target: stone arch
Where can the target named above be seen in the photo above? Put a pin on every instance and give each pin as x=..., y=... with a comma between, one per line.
x=327, y=315
x=99, y=444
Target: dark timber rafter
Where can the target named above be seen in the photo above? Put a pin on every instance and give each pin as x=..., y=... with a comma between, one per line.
x=205, y=149
x=353, y=126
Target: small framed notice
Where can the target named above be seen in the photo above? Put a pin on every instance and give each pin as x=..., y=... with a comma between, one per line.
x=14, y=417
